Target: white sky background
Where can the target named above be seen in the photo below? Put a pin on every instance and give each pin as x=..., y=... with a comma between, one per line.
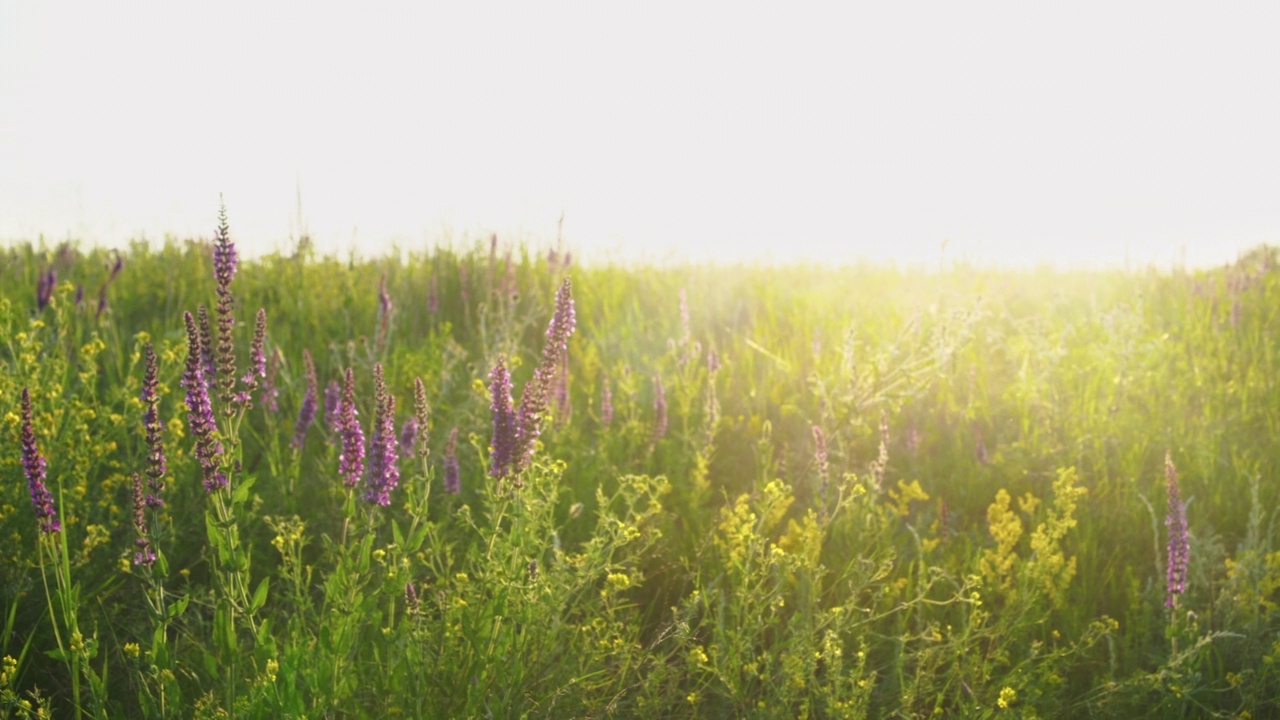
x=1019, y=133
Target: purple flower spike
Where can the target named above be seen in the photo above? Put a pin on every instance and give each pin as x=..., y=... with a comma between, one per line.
x=659, y=409
x=145, y=554
x=225, y=261
x=307, y=413
x=606, y=404
x=408, y=435
x=820, y=456
x=332, y=404
x=225, y=257
x=1179, y=544
x=157, y=466
x=533, y=399
x=200, y=412
x=384, y=475
x=33, y=464
x=505, y=426
x=44, y=288
x=452, y=478
x=351, y=460
x=421, y=421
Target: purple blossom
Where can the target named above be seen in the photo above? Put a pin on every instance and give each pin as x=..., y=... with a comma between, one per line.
x=206, y=347
x=200, y=412
x=145, y=554
x=505, y=425
x=820, y=456
x=257, y=354
x=115, y=267
x=659, y=409
x=44, y=288
x=606, y=404
x=225, y=257
x=225, y=261
x=351, y=459
x=307, y=413
x=533, y=399
x=1179, y=552
x=33, y=465
x=384, y=475
x=408, y=435
x=452, y=478
x=422, y=420
x=103, y=305
x=271, y=393
x=79, y=295
x=157, y=466
x=332, y=403
x=412, y=605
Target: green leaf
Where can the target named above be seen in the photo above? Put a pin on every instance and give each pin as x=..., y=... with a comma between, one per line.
x=179, y=607
x=223, y=631
x=259, y=596
x=57, y=654
x=415, y=542
x=241, y=493
x=396, y=533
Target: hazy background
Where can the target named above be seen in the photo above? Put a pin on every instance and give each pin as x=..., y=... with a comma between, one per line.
x=1083, y=134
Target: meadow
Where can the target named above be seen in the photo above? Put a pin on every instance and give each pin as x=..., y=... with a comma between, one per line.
x=488, y=483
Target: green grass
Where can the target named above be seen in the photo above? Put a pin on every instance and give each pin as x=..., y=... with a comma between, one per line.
x=702, y=574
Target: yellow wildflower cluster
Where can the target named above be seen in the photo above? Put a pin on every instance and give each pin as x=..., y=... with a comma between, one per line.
x=1006, y=528
x=803, y=539
x=736, y=530
x=777, y=500
x=1252, y=581
x=903, y=496
x=1049, y=568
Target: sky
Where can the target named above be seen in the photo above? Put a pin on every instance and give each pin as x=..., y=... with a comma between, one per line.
x=1087, y=134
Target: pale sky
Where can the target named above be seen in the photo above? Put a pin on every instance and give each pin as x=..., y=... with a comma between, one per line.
x=1074, y=133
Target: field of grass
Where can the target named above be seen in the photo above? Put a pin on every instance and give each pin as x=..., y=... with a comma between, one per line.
x=709, y=491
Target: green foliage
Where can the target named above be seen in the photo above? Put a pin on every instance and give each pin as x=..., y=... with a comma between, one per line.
x=985, y=536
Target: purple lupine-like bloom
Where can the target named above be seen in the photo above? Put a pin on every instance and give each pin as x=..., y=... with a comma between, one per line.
x=34, y=466
x=422, y=420
x=452, y=476
x=44, y=288
x=200, y=413
x=659, y=409
x=115, y=267
x=384, y=474
x=408, y=435
x=157, y=466
x=332, y=405
x=103, y=305
x=225, y=261
x=412, y=605
x=505, y=425
x=306, y=413
x=533, y=399
x=606, y=404
x=1179, y=552
x=145, y=554
x=351, y=459
x=210, y=368
x=79, y=295
x=271, y=393
x=257, y=349
x=225, y=257
x=820, y=456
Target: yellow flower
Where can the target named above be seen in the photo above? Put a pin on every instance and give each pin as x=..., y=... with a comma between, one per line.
x=132, y=650
x=1007, y=697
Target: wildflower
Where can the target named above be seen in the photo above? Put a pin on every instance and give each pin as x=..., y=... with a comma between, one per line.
x=332, y=402
x=145, y=554
x=206, y=347
x=225, y=260
x=79, y=295
x=1179, y=545
x=156, y=463
x=820, y=455
x=412, y=605
x=533, y=400
x=384, y=476
x=421, y=419
x=33, y=464
x=1007, y=697
x=115, y=267
x=606, y=404
x=452, y=481
x=271, y=393
x=200, y=412
x=307, y=412
x=102, y=300
x=505, y=426
x=659, y=409
x=44, y=288
x=351, y=459
x=408, y=435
